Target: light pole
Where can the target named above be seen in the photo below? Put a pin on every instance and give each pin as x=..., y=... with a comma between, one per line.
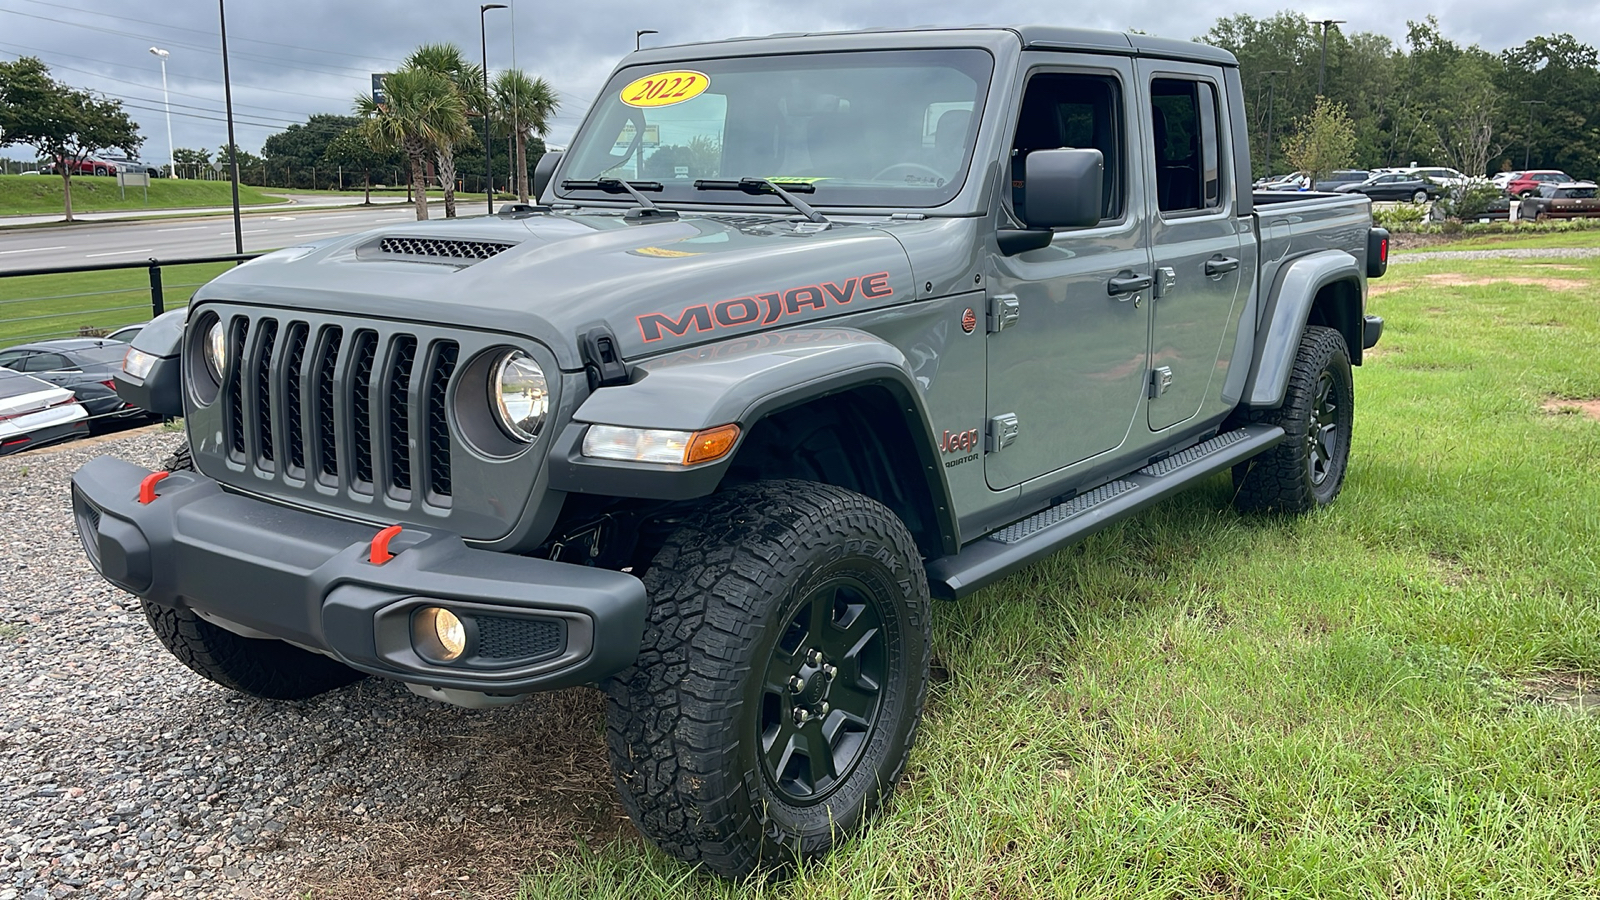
x=233, y=148
x=1271, y=84
x=172, y=158
x=1322, y=73
x=641, y=33
x=1527, y=138
x=488, y=145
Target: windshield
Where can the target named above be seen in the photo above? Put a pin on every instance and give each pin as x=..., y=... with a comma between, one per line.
x=885, y=128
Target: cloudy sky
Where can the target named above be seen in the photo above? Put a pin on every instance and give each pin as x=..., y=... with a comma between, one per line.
x=291, y=58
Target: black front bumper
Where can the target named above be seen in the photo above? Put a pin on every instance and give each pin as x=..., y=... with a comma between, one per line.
x=265, y=570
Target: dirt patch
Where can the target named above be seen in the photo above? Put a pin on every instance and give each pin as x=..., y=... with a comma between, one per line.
x=1561, y=406
x=1453, y=279
x=513, y=798
x=1567, y=690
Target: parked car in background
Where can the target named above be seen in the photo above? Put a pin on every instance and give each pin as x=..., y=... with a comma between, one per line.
x=93, y=165
x=34, y=413
x=1394, y=186
x=82, y=365
x=1526, y=184
x=1342, y=176
x=1440, y=175
x=1573, y=200
x=126, y=333
x=1295, y=181
x=1501, y=179
x=130, y=164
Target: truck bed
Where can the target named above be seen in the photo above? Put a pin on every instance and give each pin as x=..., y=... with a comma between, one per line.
x=1291, y=224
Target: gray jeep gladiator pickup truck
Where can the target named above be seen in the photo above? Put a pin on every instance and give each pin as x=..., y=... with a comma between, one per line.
x=808, y=330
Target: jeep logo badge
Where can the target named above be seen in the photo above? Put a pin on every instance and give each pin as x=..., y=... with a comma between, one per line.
x=969, y=320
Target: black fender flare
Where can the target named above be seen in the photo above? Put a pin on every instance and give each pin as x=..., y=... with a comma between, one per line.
x=741, y=381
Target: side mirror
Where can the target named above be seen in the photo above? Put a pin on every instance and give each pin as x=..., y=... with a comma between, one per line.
x=543, y=171
x=1064, y=189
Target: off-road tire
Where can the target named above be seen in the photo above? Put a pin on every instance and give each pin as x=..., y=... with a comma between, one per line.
x=269, y=669
x=685, y=722
x=262, y=668
x=1284, y=478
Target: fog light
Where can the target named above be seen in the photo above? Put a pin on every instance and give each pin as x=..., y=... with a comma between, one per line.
x=439, y=634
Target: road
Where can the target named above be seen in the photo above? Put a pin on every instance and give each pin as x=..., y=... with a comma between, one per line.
x=174, y=238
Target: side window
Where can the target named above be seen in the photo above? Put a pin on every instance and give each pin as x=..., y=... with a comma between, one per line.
x=47, y=362
x=12, y=360
x=1187, y=145
x=1080, y=111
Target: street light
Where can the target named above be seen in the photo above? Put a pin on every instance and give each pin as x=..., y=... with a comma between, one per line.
x=233, y=147
x=641, y=33
x=172, y=158
x=1271, y=83
x=1527, y=138
x=488, y=146
x=1322, y=73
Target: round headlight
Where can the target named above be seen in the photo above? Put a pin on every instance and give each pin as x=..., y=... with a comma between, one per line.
x=520, y=395
x=216, y=349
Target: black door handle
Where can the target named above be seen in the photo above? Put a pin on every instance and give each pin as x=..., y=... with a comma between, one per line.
x=1125, y=282
x=1221, y=265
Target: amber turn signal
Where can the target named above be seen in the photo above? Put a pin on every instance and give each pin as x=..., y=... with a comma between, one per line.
x=710, y=444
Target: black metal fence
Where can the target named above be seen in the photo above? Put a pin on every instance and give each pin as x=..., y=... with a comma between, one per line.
x=94, y=300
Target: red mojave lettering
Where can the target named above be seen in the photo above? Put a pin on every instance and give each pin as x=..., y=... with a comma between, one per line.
x=768, y=308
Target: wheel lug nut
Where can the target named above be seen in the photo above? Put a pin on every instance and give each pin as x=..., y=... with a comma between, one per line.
x=814, y=657
x=796, y=683
x=822, y=708
x=802, y=716
x=829, y=670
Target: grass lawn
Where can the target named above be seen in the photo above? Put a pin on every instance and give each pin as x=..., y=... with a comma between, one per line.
x=42, y=306
x=30, y=194
x=1380, y=700
x=1589, y=238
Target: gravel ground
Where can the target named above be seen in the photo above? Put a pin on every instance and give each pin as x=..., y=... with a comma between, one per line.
x=123, y=774
x=1506, y=253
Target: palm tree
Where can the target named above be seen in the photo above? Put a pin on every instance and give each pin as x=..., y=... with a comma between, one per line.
x=523, y=108
x=422, y=110
x=467, y=78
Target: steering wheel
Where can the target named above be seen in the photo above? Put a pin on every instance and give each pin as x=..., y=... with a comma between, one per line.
x=919, y=167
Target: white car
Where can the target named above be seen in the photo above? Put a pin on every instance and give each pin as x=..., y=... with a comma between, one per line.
x=1501, y=179
x=34, y=413
x=1439, y=175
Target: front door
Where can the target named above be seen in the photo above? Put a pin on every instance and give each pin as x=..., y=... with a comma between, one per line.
x=1195, y=237
x=1068, y=334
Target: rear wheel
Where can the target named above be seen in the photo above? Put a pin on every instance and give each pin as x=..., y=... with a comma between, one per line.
x=100, y=170
x=1307, y=469
x=781, y=677
x=1419, y=197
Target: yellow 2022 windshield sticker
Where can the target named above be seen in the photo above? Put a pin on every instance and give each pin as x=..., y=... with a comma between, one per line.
x=665, y=89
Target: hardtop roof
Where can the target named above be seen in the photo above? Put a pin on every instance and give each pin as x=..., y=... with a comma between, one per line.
x=1043, y=37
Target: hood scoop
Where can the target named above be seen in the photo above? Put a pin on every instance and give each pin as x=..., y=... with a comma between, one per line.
x=443, y=251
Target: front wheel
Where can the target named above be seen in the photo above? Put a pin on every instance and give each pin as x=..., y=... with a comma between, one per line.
x=100, y=170
x=1419, y=197
x=781, y=678
x=1307, y=469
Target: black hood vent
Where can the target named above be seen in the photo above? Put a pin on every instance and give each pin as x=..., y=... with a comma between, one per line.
x=450, y=252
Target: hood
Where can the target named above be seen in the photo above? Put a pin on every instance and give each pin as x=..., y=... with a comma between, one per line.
x=660, y=285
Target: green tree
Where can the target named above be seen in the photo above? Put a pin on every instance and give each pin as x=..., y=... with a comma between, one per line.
x=60, y=122
x=467, y=80
x=1322, y=141
x=422, y=110
x=249, y=164
x=191, y=163
x=352, y=151
x=523, y=109
x=298, y=149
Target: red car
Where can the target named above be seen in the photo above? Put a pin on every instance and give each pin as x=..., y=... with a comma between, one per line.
x=91, y=166
x=1527, y=183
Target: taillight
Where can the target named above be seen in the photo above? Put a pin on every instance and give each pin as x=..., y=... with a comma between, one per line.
x=1377, y=252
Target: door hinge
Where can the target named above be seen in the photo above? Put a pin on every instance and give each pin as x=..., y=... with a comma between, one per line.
x=1166, y=280
x=1160, y=380
x=1004, y=311
x=1002, y=433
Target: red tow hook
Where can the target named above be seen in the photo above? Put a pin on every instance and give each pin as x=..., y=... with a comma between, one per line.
x=147, y=487
x=380, y=545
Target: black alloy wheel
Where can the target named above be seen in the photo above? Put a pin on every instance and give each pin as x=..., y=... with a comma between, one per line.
x=1323, y=434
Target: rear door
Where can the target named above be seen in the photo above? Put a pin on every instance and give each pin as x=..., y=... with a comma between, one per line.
x=1195, y=235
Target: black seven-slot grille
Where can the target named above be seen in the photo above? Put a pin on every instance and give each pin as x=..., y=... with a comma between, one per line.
x=358, y=408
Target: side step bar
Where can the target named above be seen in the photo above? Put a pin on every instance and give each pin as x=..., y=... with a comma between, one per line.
x=1029, y=540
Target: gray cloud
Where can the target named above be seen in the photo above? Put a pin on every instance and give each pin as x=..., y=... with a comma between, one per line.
x=291, y=58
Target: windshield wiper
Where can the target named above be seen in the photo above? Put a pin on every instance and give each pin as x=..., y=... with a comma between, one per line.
x=647, y=207
x=768, y=186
